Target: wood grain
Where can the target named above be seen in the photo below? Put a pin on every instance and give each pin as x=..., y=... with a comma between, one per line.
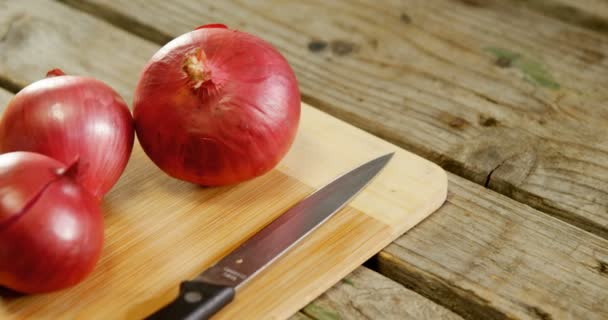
x=590, y=14
x=33, y=41
x=365, y=294
x=442, y=279
x=495, y=92
x=488, y=257
x=160, y=231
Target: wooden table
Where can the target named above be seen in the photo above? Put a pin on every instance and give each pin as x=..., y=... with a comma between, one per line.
x=509, y=96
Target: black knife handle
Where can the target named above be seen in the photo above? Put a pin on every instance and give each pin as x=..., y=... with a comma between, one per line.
x=196, y=301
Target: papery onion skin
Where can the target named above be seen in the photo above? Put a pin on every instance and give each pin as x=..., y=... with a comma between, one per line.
x=216, y=106
x=53, y=239
x=65, y=117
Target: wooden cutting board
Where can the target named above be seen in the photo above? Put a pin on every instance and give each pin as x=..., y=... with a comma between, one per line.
x=160, y=231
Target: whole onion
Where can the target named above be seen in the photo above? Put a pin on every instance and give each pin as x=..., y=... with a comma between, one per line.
x=216, y=106
x=51, y=228
x=67, y=117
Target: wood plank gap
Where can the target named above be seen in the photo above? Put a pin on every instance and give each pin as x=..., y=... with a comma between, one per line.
x=301, y=316
x=567, y=13
x=463, y=302
x=120, y=20
x=545, y=206
x=365, y=294
x=10, y=85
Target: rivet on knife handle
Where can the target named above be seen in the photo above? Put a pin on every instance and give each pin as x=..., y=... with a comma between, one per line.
x=196, y=300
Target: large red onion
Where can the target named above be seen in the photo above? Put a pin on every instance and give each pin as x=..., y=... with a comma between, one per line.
x=216, y=106
x=66, y=117
x=51, y=228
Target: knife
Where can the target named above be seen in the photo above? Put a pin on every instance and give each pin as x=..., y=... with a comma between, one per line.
x=213, y=289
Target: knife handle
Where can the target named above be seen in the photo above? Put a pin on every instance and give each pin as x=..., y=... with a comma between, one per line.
x=196, y=301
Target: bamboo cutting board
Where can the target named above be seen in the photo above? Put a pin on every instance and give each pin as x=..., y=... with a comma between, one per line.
x=160, y=231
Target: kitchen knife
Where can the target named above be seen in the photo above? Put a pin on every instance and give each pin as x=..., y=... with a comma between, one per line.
x=203, y=296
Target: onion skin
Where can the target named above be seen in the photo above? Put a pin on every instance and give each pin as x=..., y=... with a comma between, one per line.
x=51, y=229
x=216, y=106
x=65, y=117
x=22, y=180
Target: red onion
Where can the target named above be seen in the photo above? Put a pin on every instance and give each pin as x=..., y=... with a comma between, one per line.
x=216, y=106
x=69, y=116
x=51, y=229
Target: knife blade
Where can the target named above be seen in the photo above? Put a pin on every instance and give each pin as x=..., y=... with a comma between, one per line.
x=213, y=289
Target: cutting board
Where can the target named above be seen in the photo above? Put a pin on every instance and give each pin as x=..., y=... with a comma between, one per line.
x=160, y=231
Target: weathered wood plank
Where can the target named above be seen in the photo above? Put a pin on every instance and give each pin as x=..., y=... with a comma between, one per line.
x=365, y=294
x=28, y=48
x=488, y=257
x=590, y=14
x=496, y=93
x=495, y=230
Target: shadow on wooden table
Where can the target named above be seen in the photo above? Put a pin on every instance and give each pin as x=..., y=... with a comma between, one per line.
x=9, y=294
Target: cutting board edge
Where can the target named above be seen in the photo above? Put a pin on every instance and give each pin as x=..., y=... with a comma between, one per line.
x=336, y=277
x=420, y=215
x=439, y=200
